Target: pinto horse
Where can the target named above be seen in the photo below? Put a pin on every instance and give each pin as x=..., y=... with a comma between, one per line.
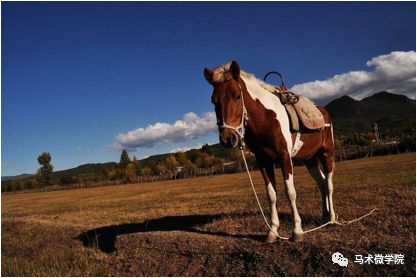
x=247, y=110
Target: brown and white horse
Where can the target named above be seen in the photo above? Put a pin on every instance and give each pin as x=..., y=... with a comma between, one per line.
x=246, y=109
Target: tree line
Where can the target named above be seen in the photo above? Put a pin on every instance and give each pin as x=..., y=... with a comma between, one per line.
x=209, y=160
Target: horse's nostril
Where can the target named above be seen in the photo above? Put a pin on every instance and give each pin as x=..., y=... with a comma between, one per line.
x=229, y=140
x=233, y=140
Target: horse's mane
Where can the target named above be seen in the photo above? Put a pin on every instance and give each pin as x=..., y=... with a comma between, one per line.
x=222, y=74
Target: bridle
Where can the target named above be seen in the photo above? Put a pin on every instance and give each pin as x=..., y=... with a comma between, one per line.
x=240, y=129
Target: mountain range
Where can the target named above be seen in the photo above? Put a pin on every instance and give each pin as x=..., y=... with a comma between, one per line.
x=392, y=113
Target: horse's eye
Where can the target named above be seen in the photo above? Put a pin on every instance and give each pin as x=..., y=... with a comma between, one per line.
x=238, y=97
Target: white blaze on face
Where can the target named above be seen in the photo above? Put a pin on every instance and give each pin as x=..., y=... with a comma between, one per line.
x=270, y=102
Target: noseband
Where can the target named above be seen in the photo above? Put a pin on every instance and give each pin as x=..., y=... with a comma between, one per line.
x=240, y=129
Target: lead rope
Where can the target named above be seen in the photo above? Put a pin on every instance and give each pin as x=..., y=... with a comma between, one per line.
x=341, y=223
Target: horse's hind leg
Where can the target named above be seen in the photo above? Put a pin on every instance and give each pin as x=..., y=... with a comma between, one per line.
x=327, y=160
x=329, y=180
x=313, y=167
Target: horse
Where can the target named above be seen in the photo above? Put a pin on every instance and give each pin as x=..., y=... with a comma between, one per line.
x=248, y=113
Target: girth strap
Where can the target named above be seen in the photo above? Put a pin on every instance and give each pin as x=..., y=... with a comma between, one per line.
x=297, y=145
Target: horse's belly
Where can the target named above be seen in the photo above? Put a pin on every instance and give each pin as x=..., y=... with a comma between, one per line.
x=312, y=142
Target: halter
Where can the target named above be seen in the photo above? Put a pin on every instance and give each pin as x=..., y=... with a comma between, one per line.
x=240, y=129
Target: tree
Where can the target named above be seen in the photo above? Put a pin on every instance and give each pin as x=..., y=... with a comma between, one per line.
x=198, y=162
x=146, y=171
x=181, y=158
x=133, y=169
x=189, y=168
x=106, y=172
x=138, y=166
x=66, y=180
x=85, y=179
x=208, y=160
x=160, y=169
x=206, y=149
x=123, y=164
x=124, y=159
x=44, y=173
x=16, y=185
x=112, y=173
x=171, y=163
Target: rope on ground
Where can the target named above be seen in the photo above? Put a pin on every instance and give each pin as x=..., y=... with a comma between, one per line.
x=348, y=222
x=337, y=222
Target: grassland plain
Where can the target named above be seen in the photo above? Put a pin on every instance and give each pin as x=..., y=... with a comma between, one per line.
x=211, y=226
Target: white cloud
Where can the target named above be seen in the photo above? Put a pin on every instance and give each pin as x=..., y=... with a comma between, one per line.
x=394, y=72
x=190, y=127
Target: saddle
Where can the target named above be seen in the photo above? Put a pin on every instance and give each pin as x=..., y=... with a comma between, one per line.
x=299, y=108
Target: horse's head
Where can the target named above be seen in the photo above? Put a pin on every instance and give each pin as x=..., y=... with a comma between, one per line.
x=228, y=103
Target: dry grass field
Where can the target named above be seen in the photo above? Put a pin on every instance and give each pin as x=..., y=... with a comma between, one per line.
x=211, y=226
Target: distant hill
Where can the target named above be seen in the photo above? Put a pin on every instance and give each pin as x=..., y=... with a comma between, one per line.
x=22, y=176
x=90, y=168
x=393, y=113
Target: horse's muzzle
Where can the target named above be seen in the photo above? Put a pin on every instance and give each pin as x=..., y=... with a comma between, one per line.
x=229, y=138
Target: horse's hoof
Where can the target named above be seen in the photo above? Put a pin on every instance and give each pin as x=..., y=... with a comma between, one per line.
x=329, y=218
x=271, y=238
x=296, y=237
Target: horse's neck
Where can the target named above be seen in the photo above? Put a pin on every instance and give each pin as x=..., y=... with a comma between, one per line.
x=262, y=113
x=269, y=102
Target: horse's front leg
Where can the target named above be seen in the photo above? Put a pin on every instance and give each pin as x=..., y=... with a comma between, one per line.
x=287, y=173
x=268, y=174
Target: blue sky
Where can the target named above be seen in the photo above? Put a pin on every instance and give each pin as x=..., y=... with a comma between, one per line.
x=76, y=75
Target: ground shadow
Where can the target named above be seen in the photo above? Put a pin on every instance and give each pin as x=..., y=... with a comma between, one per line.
x=104, y=238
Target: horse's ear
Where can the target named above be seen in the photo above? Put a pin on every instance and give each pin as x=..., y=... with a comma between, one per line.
x=208, y=74
x=235, y=70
